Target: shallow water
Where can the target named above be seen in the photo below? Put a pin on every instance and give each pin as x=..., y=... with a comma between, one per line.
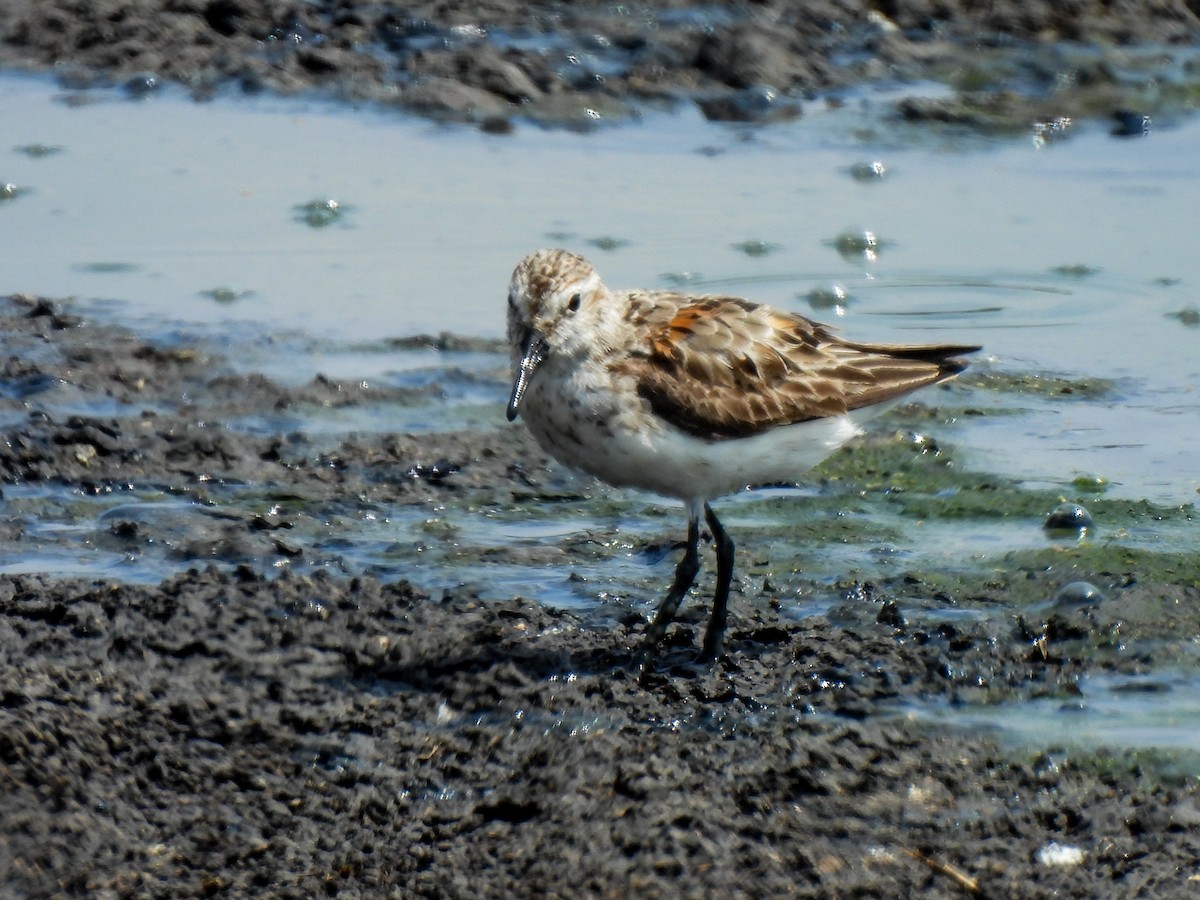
x=1160, y=711
x=1069, y=259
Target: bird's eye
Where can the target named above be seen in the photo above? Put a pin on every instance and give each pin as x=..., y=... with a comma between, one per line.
x=512, y=301
x=573, y=304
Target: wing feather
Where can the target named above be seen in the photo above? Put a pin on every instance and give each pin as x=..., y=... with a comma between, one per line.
x=722, y=367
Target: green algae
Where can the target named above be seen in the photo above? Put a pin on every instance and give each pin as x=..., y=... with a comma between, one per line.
x=225, y=294
x=1172, y=767
x=321, y=213
x=754, y=247
x=1109, y=562
x=608, y=243
x=1189, y=316
x=1039, y=385
x=443, y=342
x=104, y=267
x=1090, y=482
x=919, y=475
x=1020, y=577
x=1076, y=270
x=38, y=151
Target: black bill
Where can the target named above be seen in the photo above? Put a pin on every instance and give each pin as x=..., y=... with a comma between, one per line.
x=533, y=352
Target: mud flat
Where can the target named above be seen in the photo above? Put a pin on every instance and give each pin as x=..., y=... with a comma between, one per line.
x=1005, y=64
x=254, y=725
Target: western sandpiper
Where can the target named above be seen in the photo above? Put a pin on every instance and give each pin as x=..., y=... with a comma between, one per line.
x=691, y=396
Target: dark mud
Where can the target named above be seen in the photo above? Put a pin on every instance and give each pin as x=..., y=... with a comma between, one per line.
x=1008, y=64
x=253, y=725
x=220, y=734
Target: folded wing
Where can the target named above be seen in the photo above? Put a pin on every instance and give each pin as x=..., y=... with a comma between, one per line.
x=722, y=367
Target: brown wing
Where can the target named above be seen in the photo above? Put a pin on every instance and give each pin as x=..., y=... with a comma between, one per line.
x=722, y=367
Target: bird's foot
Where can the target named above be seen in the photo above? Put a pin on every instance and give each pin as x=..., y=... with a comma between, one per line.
x=713, y=647
x=648, y=662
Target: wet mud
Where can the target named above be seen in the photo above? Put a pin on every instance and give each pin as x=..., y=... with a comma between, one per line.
x=1007, y=65
x=268, y=720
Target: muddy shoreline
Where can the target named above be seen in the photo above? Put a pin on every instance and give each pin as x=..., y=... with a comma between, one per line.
x=249, y=728
x=1006, y=65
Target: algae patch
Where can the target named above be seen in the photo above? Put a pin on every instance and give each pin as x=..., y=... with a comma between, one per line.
x=1039, y=385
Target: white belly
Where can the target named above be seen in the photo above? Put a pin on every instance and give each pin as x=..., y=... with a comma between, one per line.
x=625, y=444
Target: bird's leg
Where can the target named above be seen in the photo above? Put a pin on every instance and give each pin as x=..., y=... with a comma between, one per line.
x=714, y=635
x=685, y=574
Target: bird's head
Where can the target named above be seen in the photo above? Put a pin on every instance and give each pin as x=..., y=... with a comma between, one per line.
x=556, y=308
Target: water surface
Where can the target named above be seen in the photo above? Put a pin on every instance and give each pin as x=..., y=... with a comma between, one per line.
x=1070, y=258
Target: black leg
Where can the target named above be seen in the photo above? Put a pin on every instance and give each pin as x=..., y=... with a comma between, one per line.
x=685, y=574
x=714, y=636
